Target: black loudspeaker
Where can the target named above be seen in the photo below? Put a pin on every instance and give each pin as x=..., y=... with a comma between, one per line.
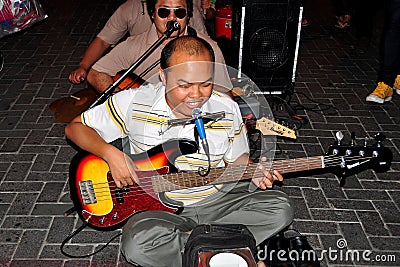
x=266, y=34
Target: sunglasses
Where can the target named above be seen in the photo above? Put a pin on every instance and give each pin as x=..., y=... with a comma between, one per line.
x=164, y=12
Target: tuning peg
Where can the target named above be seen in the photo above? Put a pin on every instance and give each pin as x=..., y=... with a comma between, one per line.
x=366, y=139
x=379, y=137
x=339, y=136
x=353, y=139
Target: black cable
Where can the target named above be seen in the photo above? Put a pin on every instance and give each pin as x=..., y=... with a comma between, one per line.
x=69, y=237
x=202, y=171
x=1, y=61
x=313, y=108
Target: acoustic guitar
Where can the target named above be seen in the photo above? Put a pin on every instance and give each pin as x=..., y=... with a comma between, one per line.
x=67, y=108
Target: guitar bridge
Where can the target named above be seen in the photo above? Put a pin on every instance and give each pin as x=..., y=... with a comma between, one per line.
x=87, y=192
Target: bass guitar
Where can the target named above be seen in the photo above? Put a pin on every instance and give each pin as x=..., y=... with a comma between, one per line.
x=105, y=207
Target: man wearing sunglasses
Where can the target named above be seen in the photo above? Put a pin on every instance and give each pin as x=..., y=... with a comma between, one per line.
x=127, y=52
x=131, y=17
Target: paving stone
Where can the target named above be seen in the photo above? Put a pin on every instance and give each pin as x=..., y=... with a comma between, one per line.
x=314, y=227
x=7, y=198
x=22, y=204
x=300, y=208
x=60, y=229
x=331, y=188
x=11, y=145
x=18, y=171
x=38, y=263
x=43, y=162
x=109, y=256
x=10, y=235
x=315, y=198
x=385, y=243
x=366, y=194
x=51, y=192
x=47, y=176
x=333, y=215
x=30, y=244
x=394, y=229
x=383, y=185
x=388, y=211
x=57, y=209
x=354, y=235
x=21, y=187
x=23, y=222
x=372, y=223
x=352, y=204
x=6, y=252
x=76, y=263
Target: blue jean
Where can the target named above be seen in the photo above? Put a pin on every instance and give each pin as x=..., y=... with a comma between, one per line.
x=390, y=44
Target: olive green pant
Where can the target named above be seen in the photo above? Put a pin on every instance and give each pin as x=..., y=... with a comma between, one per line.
x=157, y=238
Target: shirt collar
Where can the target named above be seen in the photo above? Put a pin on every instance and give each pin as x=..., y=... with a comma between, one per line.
x=160, y=103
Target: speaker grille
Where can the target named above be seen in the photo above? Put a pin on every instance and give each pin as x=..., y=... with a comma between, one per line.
x=268, y=48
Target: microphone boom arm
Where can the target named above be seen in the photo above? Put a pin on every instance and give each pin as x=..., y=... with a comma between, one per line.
x=107, y=93
x=207, y=116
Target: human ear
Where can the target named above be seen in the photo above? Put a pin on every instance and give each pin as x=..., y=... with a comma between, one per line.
x=162, y=76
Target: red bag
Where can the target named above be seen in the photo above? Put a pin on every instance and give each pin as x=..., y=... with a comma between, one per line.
x=5, y=11
x=16, y=15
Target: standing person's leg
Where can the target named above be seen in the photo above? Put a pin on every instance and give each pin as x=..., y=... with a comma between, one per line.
x=364, y=12
x=390, y=55
x=390, y=47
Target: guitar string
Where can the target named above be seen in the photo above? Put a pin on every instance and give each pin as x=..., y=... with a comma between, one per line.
x=145, y=184
x=298, y=166
x=148, y=185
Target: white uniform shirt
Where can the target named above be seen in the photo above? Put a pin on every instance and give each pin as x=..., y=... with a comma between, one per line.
x=142, y=114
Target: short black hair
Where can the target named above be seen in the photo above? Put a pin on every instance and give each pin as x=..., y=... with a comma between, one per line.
x=151, y=8
x=192, y=45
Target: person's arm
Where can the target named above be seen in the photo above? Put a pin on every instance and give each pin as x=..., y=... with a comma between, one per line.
x=120, y=58
x=99, y=80
x=121, y=167
x=269, y=176
x=115, y=28
x=95, y=50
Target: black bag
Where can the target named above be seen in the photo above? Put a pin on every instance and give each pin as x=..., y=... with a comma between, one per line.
x=207, y=240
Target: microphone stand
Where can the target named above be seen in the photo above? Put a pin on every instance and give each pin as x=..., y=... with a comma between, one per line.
x=171, y=27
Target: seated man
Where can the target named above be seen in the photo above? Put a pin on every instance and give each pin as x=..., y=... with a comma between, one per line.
x=157, y=238
x=130, y=17
x=126, y=53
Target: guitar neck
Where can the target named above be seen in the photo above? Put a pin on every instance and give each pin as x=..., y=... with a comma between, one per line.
x=232, y=173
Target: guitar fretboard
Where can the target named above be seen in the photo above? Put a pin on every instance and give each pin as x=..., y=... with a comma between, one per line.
x=232, y=173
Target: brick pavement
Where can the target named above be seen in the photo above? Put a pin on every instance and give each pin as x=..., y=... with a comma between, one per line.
x=35, y=156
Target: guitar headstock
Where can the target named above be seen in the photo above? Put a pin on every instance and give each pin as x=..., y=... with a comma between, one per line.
x=350, y=159
x=269, y=127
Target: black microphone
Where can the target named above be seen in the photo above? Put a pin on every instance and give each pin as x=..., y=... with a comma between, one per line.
x=172, y=26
